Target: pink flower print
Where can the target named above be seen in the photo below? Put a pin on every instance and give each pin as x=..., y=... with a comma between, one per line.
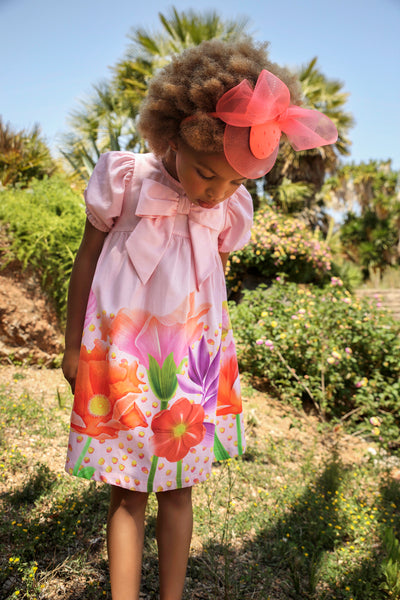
x=91, y=309
x=141, y=334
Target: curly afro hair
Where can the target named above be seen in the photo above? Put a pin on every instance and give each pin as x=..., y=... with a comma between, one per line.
x=192, y=83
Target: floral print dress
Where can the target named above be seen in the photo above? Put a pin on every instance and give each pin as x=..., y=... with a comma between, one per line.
x=157, y=395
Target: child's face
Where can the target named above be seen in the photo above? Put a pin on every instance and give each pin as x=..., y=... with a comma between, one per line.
x=207, y=178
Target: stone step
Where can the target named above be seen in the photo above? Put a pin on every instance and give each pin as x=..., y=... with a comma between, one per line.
x=389, y=298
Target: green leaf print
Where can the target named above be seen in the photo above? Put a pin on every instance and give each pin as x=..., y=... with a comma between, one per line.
x=179, y=474
x=163, y=381
x=152, y=473
x=86, y=472
x=239, y=436
x=219, y=451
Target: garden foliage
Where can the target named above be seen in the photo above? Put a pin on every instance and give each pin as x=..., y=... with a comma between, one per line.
x=45, y=225
x=325, y=346
x=369, y=193
x=281, y=244
x=371, y=241
x=24, y=155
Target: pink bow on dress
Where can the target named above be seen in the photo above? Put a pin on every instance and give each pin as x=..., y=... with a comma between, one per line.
x=256, y=119
x=158, y=206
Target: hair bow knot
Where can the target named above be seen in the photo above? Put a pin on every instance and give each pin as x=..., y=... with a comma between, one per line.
x=255, y=119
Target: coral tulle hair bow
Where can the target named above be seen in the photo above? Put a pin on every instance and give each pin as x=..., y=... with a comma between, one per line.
x=255, y=119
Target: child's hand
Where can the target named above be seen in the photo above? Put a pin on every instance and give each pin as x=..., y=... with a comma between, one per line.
x=70, y=366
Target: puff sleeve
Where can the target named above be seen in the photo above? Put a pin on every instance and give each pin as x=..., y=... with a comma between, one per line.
x=238, y=222
x=105, y=191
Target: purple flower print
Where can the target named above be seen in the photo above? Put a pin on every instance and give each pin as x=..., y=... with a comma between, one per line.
x=203, y=373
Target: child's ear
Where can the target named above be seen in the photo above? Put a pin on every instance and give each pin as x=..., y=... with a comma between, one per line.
x=173, y=144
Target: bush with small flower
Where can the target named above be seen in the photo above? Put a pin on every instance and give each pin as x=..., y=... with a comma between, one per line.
x=325, y=346
x=281, y=244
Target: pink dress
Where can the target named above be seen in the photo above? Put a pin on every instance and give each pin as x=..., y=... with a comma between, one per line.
x=157, y=395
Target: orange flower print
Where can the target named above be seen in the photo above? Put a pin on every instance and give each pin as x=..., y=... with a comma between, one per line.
x=229, y=401
x=105, y=395
x=177, y=429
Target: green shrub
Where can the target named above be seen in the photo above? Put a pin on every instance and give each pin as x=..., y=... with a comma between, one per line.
x=45, y=225
x=323, y=345
x=281, y=244
x=371, y=240
x=24, y=156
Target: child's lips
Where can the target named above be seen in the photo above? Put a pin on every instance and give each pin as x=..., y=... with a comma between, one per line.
x=204, y=204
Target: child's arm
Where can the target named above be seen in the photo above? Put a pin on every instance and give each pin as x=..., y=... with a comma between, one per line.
x=224, y=259
x=78, y=294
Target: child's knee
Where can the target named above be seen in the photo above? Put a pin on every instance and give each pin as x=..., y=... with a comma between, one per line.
x=179, y=499
x=128, y=499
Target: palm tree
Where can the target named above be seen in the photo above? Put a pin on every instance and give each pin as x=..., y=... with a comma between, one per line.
x=369, y=194
x=366, y=186
x=99, y=125
x=311, y=166
x=106, y=121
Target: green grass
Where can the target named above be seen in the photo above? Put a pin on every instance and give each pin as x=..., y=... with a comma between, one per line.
x=291, y=520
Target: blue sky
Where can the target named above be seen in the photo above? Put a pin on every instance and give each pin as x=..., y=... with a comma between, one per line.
x=53, y=51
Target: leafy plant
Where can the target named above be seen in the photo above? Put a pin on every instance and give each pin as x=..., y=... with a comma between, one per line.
x=45, y=224
x=23, y=156
x=370, y=240
x=369, y=195
x=281, y=244
x=324, y=346
x=391, y=564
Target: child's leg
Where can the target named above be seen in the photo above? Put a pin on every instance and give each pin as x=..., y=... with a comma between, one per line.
x=174, y=533
x=125, y=534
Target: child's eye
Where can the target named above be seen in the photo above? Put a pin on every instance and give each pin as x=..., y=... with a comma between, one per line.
x=204, y=176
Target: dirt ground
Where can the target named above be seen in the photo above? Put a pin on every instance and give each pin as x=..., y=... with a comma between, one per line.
x=29, y=329
x=28, y=325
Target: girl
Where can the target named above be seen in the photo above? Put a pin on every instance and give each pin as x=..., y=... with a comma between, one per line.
x=149, y=351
